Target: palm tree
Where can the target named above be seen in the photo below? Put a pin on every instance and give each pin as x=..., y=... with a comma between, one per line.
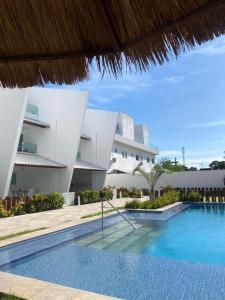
x=151, y=177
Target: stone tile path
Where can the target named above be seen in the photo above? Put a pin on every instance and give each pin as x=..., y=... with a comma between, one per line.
x=52, y=220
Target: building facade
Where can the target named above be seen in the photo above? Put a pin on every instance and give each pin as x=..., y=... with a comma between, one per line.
x=54, y=143
x=40, y=131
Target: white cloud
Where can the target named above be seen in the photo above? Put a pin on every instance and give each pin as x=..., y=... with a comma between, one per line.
x=92, y=105
x=173, y=79
x=168, y=153
x=210, y=124
x=102, y=100
x=215, y=48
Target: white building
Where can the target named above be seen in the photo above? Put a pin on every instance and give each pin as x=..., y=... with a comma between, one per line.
x=40, y=135
x=51, y=142
x=113, y=146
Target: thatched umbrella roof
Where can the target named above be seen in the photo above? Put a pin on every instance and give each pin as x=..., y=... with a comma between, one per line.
x=56, y=40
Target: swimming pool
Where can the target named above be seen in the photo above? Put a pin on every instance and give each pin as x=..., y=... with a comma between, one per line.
x=169, y=256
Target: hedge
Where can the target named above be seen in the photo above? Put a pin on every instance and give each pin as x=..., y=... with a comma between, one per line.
x=39, y=202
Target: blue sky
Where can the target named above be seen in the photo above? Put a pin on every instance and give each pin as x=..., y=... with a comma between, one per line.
x=182, y=102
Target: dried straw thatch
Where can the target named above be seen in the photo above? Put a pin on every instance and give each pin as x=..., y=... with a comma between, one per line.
x=56, y=40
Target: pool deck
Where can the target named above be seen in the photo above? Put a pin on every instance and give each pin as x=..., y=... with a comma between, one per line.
x=52, y=220
x=33, y=289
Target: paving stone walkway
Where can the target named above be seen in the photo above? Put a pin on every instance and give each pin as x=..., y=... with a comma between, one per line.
x=52, y=220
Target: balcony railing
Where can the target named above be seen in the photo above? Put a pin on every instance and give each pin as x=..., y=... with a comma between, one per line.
x=27, y=147
x=78, y=155
x=153, y=147
x=138, y=140
x=32, y=111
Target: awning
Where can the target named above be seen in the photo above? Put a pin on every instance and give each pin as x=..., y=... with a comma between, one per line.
x=35, y=122
x=35, y=160
x=83, y=165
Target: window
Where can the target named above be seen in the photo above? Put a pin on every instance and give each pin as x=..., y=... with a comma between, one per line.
x=115, y=150
x=141, y=157
x=148, y=160
x=132, y=155
x=126, y=154
x=123, y=153
x=153, y=160
x=137, y=157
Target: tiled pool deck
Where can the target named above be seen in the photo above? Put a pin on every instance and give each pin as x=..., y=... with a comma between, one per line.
x=52, y=220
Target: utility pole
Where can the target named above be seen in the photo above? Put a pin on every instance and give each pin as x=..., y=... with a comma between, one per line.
x=183, y=154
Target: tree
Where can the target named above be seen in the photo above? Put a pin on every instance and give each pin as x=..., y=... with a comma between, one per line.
x=192, y=169
x=151, y=177
x=217, y=165
x=169, y=165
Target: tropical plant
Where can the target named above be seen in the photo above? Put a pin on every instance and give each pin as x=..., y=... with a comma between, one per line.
x=3, y=212
x=166, y=199
x=134, y=193
x=107, y=192
x=19, y=208
x=151, y=177
x=89, y=196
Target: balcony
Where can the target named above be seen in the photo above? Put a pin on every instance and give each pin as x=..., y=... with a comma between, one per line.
x=27, y=147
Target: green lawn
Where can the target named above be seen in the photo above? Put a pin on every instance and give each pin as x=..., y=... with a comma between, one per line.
x=5, y=237
x=99, y=213
x=9, y=297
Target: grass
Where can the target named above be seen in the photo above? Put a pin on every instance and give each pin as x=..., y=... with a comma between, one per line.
x=4, y=296
x=5, y=237
x=99, y=213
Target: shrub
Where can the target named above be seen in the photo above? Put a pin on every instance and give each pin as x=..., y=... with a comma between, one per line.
x=3, y=212
x=145, y=192
x=19, y=208
x=56, y=200
x=134, y=193
x=193, y=196
x=124, y=192
x=166, y=199
x=107, y=192
x=89, y=196
x=132, y=204
x=43, y=202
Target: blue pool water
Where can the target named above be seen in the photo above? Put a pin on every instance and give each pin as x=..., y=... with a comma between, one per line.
x=182, y=257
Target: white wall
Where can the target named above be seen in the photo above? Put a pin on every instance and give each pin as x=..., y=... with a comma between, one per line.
x=126, y=124
x=126, y=180
x=141, y=134
x=64, y=110
x=40, y=179
x=13, y=104
x=128, y=164
x=100, y=126
x=190, y=179
x=201, y=179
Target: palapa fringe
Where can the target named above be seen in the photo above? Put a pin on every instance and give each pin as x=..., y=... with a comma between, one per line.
x=56, y=41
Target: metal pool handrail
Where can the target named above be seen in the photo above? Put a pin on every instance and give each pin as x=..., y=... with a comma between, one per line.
x=126, y=219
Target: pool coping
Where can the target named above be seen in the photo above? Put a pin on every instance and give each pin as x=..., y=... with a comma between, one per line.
x=46, y=231
x=157, y=210
x=35, y=289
